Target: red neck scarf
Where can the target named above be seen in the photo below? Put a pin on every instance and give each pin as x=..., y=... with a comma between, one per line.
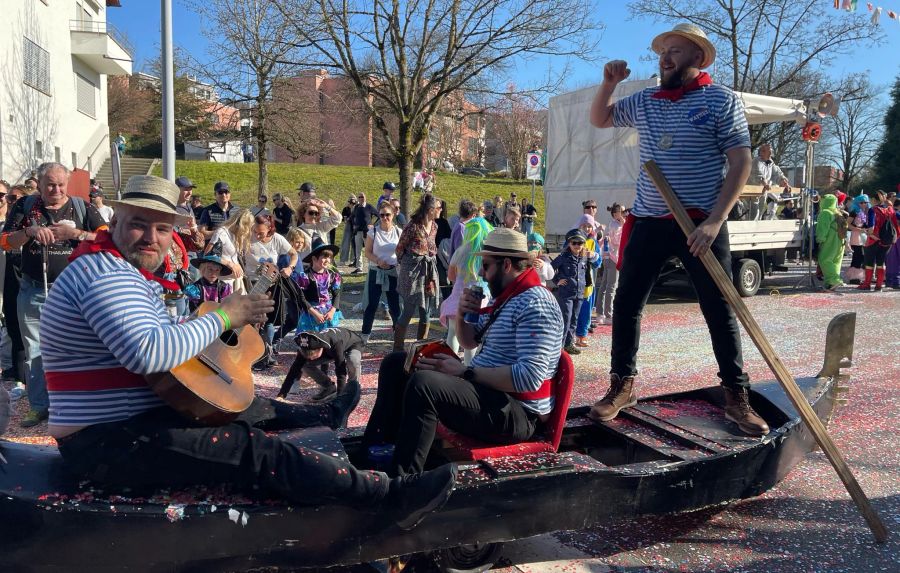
x=104, y=244
x=676, y=94
x=523, y=282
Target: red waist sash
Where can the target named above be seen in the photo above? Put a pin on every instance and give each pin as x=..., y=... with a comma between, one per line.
x=545, y=391
x=93, y=380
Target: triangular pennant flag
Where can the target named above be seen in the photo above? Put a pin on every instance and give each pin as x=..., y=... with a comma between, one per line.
x=876, y=14
x=892, y=15
x=869, y=4
x=853, y=4
x=846, y=4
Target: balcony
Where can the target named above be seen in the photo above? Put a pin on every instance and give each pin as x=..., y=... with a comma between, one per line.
x=99, y=46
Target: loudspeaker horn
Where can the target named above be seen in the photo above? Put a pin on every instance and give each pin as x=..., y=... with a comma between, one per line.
x=825, y=105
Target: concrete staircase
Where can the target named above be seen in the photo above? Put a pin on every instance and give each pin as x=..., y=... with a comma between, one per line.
x=129, y=166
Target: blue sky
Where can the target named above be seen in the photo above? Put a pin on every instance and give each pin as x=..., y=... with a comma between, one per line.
x=623, y=39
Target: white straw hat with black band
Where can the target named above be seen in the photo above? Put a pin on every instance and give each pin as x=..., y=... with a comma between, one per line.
x=505, y=243
x=693, y=33
x=153, y=193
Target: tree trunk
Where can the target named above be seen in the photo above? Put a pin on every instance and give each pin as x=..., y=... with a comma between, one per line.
x=405, y=163
x=262, y=148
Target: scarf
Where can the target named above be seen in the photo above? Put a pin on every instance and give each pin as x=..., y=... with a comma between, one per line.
x=676, y=94
x=104, y=244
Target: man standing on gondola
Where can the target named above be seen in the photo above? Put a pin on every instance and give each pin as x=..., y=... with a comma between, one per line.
x=688, y=126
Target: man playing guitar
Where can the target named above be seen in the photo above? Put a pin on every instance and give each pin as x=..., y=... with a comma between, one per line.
x=105, y=327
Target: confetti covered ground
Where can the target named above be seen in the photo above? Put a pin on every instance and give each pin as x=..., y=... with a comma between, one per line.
x=806, y=524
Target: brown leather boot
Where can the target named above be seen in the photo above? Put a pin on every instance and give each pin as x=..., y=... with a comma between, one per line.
x=738, y=410
x=399, y=338
x=422, y=333
x=620, y=395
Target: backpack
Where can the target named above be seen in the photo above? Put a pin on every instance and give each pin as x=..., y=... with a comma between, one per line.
x=444, y=252
x=842, y=221
x=887, y=234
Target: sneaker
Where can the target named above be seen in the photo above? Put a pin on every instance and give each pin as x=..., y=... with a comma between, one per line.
x=581, y=343
x=16, y=392
x=9, y=375
x=572, y=350
x=414, y=496
x=33, y=418
x=357, y=271
x=365, y=337
x=344, y=403
x=324, y=394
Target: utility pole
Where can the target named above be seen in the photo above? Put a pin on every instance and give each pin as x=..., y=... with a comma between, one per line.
x=168, y=92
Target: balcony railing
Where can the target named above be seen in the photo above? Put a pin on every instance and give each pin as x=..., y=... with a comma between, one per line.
x=100, y=28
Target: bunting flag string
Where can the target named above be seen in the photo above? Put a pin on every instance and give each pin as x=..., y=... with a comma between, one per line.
x=875, y=11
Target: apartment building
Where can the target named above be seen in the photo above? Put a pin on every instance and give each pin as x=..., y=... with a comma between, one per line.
x=55, y=56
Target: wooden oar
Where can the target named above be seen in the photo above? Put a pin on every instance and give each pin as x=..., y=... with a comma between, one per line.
x=782, y=374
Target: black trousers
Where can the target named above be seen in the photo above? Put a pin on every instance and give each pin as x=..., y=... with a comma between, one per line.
x=375, y=290
x=651, y=243
x=875, y=255
x=407, y=410
x=10, y=296
x=858, y=257
x=161, y=448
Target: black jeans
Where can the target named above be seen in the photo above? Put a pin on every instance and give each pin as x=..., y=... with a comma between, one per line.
x=393, y=300
x=407, y=410
x=651, y=243
x=161, y=448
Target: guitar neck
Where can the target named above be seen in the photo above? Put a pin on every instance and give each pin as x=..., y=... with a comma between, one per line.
x=262, y=285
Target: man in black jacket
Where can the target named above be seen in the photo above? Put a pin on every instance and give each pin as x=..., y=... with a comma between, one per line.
x=315, y=349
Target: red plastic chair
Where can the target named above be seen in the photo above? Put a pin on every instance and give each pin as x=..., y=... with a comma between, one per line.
x=464, y=448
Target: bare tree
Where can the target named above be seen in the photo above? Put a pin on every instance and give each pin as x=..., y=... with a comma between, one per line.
x=857, y=130
x=518, y=126
x=770, y=47
x=405, y=58
x=130, y=104
x=249, y=47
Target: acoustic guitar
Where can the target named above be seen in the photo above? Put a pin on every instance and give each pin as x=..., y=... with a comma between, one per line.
x=215, y=386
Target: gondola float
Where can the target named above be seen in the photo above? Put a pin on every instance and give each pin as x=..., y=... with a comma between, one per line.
x=670, y=453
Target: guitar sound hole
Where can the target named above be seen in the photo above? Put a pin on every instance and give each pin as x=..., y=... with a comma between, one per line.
x=229, y=338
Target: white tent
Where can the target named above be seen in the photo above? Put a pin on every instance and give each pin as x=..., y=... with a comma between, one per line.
x=585, y=162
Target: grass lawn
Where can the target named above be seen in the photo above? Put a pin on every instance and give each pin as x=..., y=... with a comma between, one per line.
x=337, y=183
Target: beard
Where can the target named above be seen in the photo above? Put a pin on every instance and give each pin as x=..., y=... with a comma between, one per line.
x=676, y=77
x=142, y=260
x=495, y=285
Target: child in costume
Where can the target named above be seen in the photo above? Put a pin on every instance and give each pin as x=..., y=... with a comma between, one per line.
x=831, y=241
x=594, y=242
x=337, y=345
x=572, y=267
x=320, y=289
x=541, y=262
x=209, y=287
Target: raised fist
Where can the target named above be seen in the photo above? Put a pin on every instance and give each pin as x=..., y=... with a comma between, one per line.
x=615, y=71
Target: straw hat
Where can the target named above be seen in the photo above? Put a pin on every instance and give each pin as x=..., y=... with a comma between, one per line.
x=505, y=243
x=693, y=33
x=153, y=193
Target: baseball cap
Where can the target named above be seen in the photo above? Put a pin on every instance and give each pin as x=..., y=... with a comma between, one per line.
x=307, y=187
x=222, y=187
x=184, y=182
x=309, y=341
x=389, y=185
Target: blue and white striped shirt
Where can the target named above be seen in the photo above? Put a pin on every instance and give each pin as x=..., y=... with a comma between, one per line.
x=102, y=314
x=528, y=337
x=688, y=139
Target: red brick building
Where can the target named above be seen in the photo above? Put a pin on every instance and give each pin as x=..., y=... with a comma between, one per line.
x=329, y=126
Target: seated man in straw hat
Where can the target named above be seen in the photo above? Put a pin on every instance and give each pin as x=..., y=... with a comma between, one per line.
x=689, y=126
x=105, y=326
x=505, y=394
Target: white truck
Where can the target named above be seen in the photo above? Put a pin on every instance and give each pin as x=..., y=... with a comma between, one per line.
x=603, y=164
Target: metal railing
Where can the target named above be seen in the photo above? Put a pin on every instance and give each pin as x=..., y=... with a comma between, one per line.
x=95, y=27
